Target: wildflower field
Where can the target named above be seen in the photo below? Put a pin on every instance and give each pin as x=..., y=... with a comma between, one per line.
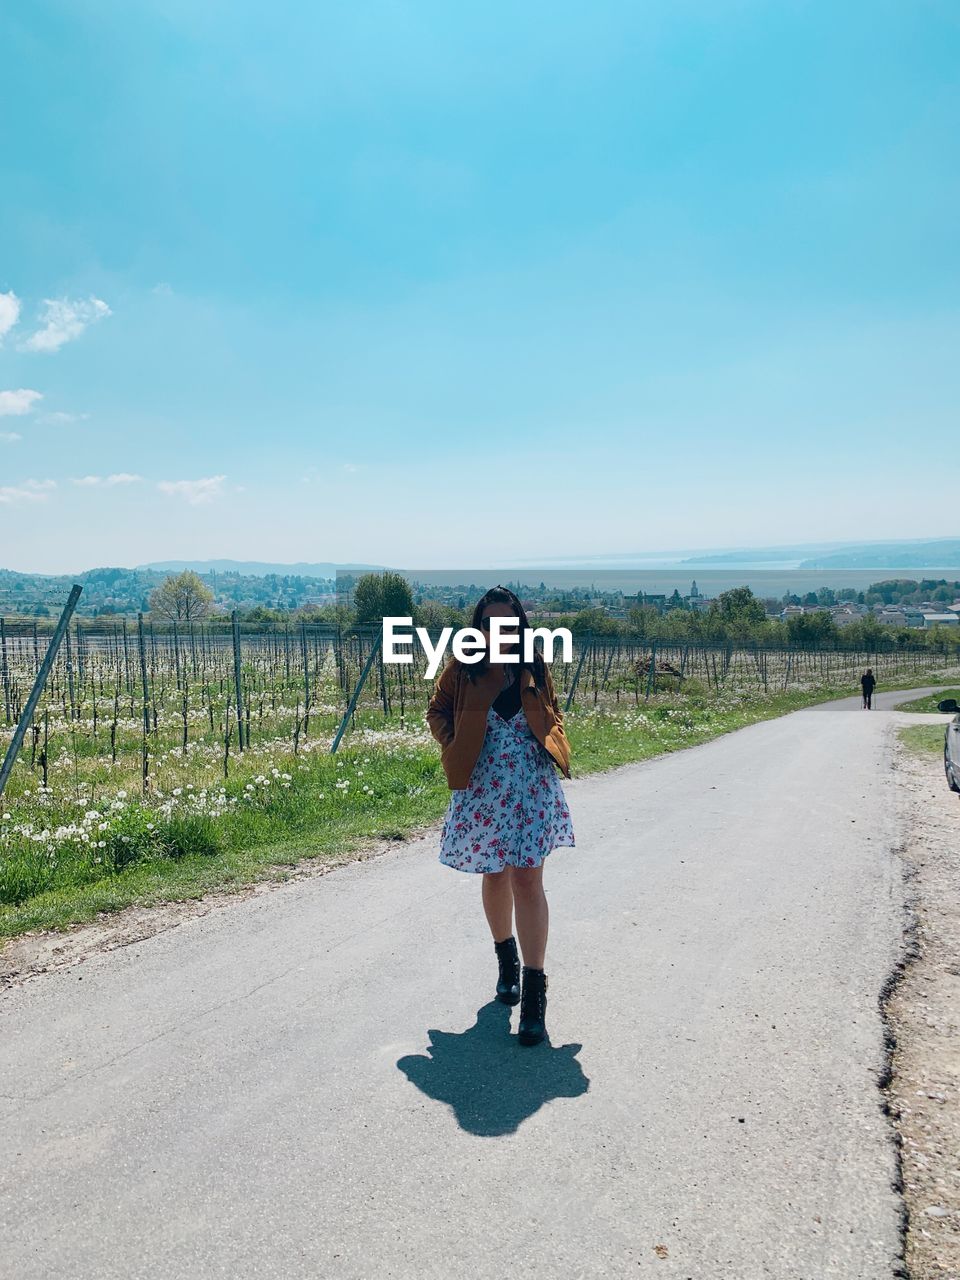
x=138, y=781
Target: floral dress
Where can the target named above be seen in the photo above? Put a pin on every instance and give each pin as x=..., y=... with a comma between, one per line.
x=513, y=810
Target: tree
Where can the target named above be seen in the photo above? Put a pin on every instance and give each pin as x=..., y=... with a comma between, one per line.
x=183, y=597
x=644, y=621
x=262, y=616
x=435, y=615
x=739, y=605
x=596, y=620
x=382, y=595
x=811, y=630
x=867, y=633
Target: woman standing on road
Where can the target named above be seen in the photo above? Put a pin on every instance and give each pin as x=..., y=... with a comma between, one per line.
x=501, y=731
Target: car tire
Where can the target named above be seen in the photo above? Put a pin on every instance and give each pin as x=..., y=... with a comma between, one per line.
x=948, y=770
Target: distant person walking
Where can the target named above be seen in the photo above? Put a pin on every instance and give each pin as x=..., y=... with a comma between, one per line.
x=501, y=731
x=868, y=684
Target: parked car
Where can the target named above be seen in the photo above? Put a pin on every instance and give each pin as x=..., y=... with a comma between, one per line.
x=951, y=743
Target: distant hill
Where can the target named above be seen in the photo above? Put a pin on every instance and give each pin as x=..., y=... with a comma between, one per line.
x=118, y=591
x=941, y=554
x=764, y=555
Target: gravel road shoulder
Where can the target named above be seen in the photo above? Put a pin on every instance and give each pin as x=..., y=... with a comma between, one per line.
x=922, y=1012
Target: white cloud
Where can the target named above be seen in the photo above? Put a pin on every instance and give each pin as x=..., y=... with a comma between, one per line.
x=8, y=437
x=121, y=477
x=196, y=492
x=10, y=494
x=9, y=312
x=163, y=289
x=29, y=491
x=63, y=320
x=13, y=403
x=60, y=419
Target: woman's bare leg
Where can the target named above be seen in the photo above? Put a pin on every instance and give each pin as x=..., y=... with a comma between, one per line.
x=498, y=902
x=533, y=916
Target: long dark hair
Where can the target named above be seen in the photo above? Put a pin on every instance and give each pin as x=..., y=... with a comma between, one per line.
x=503, y=595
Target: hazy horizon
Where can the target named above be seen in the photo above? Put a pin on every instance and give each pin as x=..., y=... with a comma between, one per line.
x=683, y=562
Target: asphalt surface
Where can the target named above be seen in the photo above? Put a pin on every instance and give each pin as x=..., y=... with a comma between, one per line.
x=317, y=1081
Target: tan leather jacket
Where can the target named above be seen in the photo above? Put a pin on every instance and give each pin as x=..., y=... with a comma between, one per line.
x=457, y=716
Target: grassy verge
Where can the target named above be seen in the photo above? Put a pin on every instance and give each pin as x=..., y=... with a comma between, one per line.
x=928, y=704
x=117, y=852
x=922, y=739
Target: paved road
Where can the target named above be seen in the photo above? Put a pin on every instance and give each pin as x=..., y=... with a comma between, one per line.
x=316, y=1081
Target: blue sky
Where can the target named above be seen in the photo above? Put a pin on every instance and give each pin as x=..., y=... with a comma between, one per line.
x=435, y=284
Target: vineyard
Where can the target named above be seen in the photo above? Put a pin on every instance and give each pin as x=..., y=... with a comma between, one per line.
x=152, y=741
x=154, y=688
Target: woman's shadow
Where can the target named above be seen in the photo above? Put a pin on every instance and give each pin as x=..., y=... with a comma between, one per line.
x=488, y=1078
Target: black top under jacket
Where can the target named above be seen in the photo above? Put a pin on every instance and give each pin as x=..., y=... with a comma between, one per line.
x=507, y=704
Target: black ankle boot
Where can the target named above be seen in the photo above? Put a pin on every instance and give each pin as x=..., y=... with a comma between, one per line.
x=533, y=1007
x=508, y=987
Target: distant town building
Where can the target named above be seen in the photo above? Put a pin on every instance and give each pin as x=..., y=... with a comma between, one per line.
x=844, y=614
x=658, y=602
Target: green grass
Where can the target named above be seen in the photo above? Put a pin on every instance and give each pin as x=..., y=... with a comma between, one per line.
x=322, y=807
x=923, y=739
x=929, y=703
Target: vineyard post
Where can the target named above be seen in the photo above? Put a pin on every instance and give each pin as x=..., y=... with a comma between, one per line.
x=383, y=685
x=146, y=697
x=306, y=679
x=35, y=692
x=356, y=693
x=236, y=677
x=576, y=677
x=6, y=676
x=126, y=656
x=176, y=653
x=73, y=709
x=76, y=624
x=652, y=676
